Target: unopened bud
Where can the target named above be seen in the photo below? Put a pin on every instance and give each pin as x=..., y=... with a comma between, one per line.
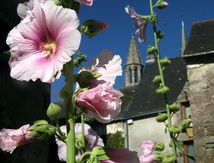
x=174, y=130
x=161, y=4
x=185, y=123
x=84, y=78
x=42, y=130
x=173, y=107
x=157, y=79
x=162, y=90
x=151, y=50
x=165, y=62
x=159, y=146
x=169, y=158
x=162, y=117
x=53, y=110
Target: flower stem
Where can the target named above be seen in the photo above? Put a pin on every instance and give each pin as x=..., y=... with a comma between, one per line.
x=70, y=142
x=158, y=57
x=67, y=93
x=83, y=130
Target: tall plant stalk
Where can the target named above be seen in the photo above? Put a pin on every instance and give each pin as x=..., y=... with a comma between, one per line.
x=70, y=111
x=160, y=69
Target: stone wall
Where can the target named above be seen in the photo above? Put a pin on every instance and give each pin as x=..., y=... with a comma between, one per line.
x=146, y=129
x=201, y=97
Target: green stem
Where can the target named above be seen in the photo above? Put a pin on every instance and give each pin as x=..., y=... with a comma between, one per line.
x=70, y=142
x=158, y=57
x=83, y=130
x=58, y=127
x=84, y=155
x=69, y=108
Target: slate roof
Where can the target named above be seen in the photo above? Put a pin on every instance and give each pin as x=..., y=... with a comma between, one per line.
x=144, y=101
x=201, y=40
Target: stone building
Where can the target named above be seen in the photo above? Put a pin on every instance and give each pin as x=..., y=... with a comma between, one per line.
x=190, y=78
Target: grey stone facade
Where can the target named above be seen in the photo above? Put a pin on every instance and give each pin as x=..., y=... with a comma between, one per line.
x=201, y=96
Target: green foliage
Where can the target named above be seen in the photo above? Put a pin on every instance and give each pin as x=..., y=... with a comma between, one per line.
x=116, y=140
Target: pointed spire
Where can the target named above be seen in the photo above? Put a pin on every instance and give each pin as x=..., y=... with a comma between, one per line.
x=133, y=53
x=183, y=39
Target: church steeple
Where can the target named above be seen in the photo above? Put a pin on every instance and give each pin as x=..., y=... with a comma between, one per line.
x=183, y=39
x=134, y=66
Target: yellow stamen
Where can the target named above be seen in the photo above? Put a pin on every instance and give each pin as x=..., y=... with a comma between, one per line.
x=49, y=47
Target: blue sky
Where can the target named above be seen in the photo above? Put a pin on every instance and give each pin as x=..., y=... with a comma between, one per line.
x=120, y=28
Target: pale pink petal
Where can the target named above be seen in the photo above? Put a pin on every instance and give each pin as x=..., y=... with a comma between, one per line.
x=46, y=24
x=121, y=156
x=86, y=2
x=10, y=139
x=110, y=71
x=103, y=102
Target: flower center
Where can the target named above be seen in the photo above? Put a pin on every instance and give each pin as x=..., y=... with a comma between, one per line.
x=49, y=47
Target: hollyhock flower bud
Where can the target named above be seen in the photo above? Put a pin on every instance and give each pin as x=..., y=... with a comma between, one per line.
x=92, y=140
x=86, y=2
x=174, y=130
x=162, y=117
x=157, y=79
x=162, y=90
x=42, y=130
x=161, y=4
x=121, y=156
x=148, y=152
x=10, y=139
x=159, y=146
x=92, y=27
x=101, y=102
x=169, y=158
x=53, y=110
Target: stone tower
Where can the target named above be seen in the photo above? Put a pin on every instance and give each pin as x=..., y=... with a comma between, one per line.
x=134, y=66
x=183, y=39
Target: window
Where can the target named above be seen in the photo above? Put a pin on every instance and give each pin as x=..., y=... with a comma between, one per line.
x=188, y=145
x=185, y=110
x=135, y=75
x=130, y=75
x=188, y=152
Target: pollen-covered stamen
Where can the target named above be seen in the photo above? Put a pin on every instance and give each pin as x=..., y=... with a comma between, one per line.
x=49, y=47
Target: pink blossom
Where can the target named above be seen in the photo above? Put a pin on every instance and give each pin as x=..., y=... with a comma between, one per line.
x=121, y=156
x=86, y=2
x=148, y=152
x=90, y=135
x=109, y=67
x=140, y=23
x=102, y=102
x=43, y=42
x=10, y=139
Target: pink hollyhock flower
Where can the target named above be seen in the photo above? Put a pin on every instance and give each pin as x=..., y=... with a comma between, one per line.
x=43, y=42
x=92, y=140
x=10, y=139
x=86, y=2
x=121, y=156
x=140, y=23
x=102, y=102
x=109, y=67
x=148, y=152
